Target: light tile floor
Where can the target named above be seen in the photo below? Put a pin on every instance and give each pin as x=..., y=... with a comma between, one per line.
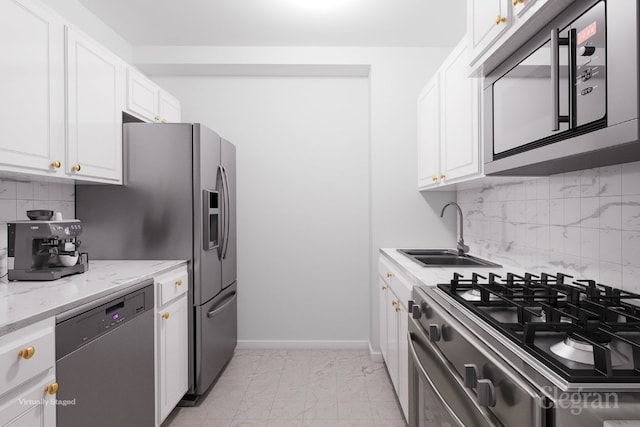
x=282, y=388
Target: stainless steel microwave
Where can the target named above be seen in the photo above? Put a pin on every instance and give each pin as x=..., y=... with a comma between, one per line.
x=568, y=98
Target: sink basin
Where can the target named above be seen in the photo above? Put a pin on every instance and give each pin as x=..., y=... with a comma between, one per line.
x=444, y=258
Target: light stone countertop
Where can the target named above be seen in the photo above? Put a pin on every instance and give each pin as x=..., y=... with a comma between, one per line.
x=23, y=303
x=431, y=276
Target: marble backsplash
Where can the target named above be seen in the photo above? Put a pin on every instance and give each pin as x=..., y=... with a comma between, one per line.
x=584, y=223
x=17, y=197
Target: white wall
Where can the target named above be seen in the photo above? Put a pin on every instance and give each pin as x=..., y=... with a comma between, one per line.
x=303, y=199
x=397, y=214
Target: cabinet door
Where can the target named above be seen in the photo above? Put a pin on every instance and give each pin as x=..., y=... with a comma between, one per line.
x=169, y=108
x=32, y=88
x=429, y=134
x=403, y=360
x=29, y=406
x=459, y=131
x=384, y=289
x=142, y=96
x=486, y=20
x=392, y=338
x=94, y=87
x=173, y=355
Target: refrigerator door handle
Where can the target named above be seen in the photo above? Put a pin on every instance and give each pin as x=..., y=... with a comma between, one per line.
x=223, y=304
x=221, y=221
x=227, y=211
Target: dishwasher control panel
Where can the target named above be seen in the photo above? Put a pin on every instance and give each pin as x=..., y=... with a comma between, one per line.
x=96, y=321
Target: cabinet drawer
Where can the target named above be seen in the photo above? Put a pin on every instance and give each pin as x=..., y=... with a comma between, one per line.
x=37, y=344
x=30, y=405
x=172, y=285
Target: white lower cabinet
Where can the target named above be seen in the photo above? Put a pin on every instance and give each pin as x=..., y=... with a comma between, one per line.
x=172, y=316
x=27, y=376
x=395, y=292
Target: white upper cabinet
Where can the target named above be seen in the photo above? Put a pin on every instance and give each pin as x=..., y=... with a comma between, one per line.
x=32, y=88
x=149, y=102
x=449, y=125
x=63, y=97
x=142, y=95
x=496, y=28
x=168, y=108
x=94, y=107
x=486, y=20
x=429, y=133
x=459, y=123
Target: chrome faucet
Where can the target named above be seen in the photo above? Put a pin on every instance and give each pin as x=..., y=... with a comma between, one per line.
x=462, y=248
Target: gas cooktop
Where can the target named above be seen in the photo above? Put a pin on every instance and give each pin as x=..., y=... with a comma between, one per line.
x=584, y=331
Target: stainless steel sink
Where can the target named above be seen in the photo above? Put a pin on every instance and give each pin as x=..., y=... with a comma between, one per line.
x=444, y=258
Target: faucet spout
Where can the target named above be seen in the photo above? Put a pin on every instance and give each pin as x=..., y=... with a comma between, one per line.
x=462, y=248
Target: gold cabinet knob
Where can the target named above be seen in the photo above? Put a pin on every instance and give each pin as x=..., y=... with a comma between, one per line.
x=165, y=315
x=384, y=288
x=156, y=118
x=517, y=2
x=76, y=168
x=443, y=176
x=500, y=19
x=179, y=282
x=55, y=164
x=394, y=303
x=27, y=353
x=389, y=275
x=434, y=178
x=51, y=388
x=398, y=309
x=163, y=121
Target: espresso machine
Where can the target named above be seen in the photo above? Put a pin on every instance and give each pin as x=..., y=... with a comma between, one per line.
x=44, y=249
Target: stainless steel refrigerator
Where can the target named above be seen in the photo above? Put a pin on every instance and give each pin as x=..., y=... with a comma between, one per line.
x=177, y=202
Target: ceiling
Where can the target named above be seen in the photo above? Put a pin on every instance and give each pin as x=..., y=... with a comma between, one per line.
x=284, y=22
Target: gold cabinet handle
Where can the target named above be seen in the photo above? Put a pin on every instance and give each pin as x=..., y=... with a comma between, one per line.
x=389, y=275
x=51, y=388
x=179, y=282
x=165, y=315
x=384, y=288
x=163, y=121
x=443, y=176
x=55, y=164
x=156, y=118
x=76, y=168
x=517, y=2
x=434, y=178
x=398, y=309
x=500, y=19
x=394, y=303
x=27, y=353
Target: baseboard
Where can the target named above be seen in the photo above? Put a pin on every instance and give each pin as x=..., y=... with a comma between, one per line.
x=303, y=345
x=376, y=356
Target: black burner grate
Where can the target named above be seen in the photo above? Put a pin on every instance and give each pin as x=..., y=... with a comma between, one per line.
x=546, y=305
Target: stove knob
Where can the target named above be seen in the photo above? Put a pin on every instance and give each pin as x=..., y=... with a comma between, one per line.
x=416, y=311
x=434, y=332
x=470, y=375
x=486, y=393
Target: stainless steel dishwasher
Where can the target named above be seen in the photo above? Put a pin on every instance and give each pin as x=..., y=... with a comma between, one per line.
x=104, y=361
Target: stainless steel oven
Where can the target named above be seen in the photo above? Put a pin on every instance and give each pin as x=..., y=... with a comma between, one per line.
x=568, y=98
x=455, y=380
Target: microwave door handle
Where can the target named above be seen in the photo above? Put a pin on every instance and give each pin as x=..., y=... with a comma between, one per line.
x=556, y=42
x=573, y=74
